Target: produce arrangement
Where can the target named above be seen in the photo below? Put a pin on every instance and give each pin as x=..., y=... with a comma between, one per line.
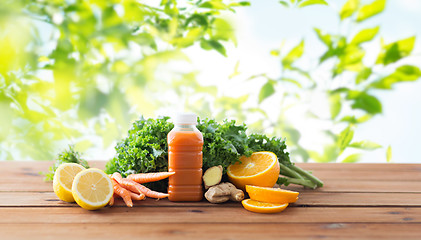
x=235, y=165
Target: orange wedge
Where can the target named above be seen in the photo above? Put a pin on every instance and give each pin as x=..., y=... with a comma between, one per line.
x=260, y=169
x=271, y=195
x=263, y=207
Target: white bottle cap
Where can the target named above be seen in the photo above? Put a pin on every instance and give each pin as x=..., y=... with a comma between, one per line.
x=185, y=118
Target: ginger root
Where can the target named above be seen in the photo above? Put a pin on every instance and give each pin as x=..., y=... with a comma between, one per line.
x=223, y=192
x=212, y=176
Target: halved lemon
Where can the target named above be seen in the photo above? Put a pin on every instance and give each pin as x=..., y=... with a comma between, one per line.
x=263, y=207
x=271, y=195
x=92, y=189
x=260, y=169
x=63, y=179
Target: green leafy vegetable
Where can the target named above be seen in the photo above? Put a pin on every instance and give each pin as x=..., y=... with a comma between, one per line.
x=146, y=150
x=67, y=156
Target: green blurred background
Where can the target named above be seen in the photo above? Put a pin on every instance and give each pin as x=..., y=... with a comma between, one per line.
x=314, y=71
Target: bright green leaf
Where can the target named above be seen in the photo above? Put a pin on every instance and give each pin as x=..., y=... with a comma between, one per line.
x=365, y=35
x=389, y=154
x=293, y=81
x=213, y=44
x=405, y=73
x=266, y=91
x=352, y=158
x=365, y=144
x=335, y=105
x=293, y=55
x=345, y=137
x=371, y=10
x=324, y=37
x=312, y=2
x=349, y=8
x=363, y=75
x=365, y=102
x=285, y=4
x=395, y=51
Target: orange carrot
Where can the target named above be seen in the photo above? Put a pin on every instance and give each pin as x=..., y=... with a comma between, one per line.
x=149, y=177
x=136, y=187
x=111, y=203
x=138, y=197
x=122, y=192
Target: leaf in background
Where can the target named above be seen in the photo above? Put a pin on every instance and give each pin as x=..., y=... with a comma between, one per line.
x=267, y=90
x=293, y=81
x=405, y=73
x=293, y=55
x=312, y=2
x=389, y=154
x=370, y=10
x=335, y=105
x=363, y=75
x=364, y=101
x=395, y=51
x=349, y=8
x=284, y=3
x=345, y=137
x=354, y=120
x=214, y=4
x=352, y=158
x=243, y=4
x=324, y=37
x=365, y=35
x=222, y=30
x=365, y=144
x=213, y=44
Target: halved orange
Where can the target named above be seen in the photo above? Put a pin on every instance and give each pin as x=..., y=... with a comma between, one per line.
x=263, y=207
x=260, y=169
x=271, y=195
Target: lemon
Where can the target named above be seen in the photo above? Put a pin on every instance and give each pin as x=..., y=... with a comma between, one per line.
x=92, y=189
x=63, y=179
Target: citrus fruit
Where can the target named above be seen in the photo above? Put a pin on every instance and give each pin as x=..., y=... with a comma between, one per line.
x=263, y=207
x=271, y=195
x=63, y=179
x=260, y=169
x=92, y=189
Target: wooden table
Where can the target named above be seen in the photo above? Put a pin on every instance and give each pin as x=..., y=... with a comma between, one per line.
x=360, y=201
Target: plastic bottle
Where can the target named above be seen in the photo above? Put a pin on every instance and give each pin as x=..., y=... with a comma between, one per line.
x=185, y=143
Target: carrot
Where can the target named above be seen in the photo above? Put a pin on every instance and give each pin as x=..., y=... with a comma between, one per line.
x=122, y=192
x=149, y=177
x=111, y=203
x=136, y=187
x=138, y=197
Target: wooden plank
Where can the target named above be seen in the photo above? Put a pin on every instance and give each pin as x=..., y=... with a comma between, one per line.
x=24, y=176
x=36, y=184
x=208, y=215
x=337, y=185
x=305, y=199
x=211, y=231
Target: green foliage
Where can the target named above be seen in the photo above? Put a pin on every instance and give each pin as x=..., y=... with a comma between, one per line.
x=104, y=65
x=67, y=156
x=370, y=10
x=350, y=91
x=145, y=149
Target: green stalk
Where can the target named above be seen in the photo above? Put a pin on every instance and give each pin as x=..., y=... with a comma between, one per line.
x=289, y=172
x=307, y=175
x=302, y=182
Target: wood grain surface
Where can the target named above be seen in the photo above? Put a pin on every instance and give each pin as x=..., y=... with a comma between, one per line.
x=358, y=201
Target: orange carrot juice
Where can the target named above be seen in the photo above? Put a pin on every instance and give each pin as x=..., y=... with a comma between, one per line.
x=185, y=144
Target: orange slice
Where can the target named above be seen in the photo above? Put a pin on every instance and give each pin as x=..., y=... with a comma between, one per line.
x=260, y=169
x=263, y=207
x=271, y=195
